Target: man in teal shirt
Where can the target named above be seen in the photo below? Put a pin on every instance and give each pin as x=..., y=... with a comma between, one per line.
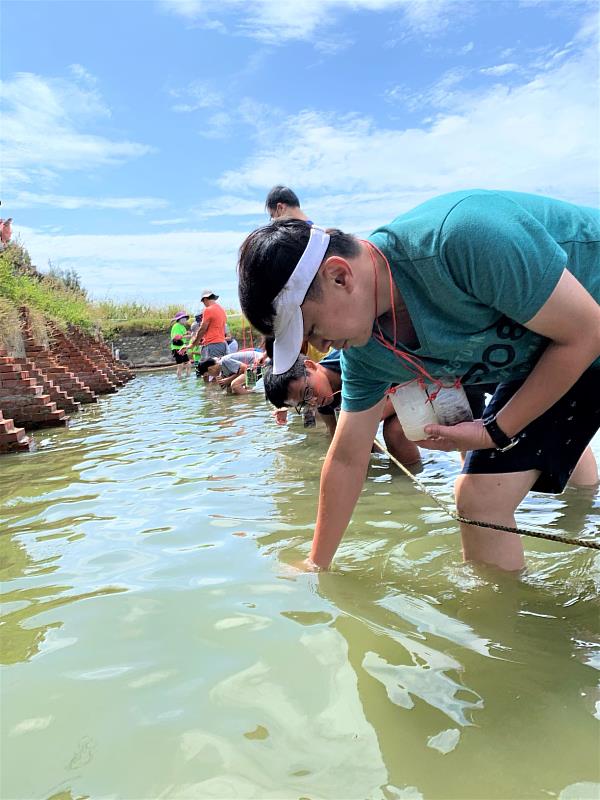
x=476, y=286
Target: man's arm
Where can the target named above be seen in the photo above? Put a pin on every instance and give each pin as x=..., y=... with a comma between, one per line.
x=570, y=319
x=330, y=424
x=199, y=334
x=342, y=479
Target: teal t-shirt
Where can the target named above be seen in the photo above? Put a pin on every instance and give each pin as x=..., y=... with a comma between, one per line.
x=472, y=268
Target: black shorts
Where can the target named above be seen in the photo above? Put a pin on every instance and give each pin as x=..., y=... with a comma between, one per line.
x=179, y=358
x=553, y=443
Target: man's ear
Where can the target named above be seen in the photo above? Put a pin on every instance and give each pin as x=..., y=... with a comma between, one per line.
x=310, y=365
x=338, y=271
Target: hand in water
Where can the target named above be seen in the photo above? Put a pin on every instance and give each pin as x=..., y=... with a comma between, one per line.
x=303, y=566
x=464, y=436
x=280, y=415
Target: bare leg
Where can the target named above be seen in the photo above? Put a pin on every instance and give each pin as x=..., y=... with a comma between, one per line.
x=586, y=470
x=396, y=442
x=238, y=385
x=492, y=498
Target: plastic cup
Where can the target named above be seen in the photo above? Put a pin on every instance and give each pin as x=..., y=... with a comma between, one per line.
x=413, y=409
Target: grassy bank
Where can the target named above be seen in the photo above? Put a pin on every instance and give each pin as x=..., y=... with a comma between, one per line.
x=56, y=295
x=59, y=296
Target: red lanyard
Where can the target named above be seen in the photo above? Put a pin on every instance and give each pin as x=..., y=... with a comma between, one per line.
x=413, y=363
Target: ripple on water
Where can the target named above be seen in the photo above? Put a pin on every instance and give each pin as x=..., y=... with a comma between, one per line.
x=155, y=638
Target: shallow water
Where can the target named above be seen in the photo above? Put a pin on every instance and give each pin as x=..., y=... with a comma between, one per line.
x=156, y=643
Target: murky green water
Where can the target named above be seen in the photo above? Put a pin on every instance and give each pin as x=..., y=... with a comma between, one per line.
x=155, y=644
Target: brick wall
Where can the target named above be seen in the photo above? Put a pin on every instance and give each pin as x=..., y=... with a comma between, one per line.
x=39, y=383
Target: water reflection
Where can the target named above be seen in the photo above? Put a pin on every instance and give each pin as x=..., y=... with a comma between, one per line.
x=155, y=640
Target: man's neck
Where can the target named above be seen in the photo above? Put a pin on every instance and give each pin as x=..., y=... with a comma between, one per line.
x=391, y=311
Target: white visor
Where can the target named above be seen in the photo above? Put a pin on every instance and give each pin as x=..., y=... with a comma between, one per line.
x=288, y=325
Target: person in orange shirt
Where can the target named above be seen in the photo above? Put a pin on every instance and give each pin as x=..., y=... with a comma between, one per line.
x=212, y=330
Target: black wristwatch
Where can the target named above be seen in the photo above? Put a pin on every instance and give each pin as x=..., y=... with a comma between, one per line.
x=497, y=435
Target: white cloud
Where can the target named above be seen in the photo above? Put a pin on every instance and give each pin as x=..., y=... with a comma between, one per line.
x=198, y=94
x=82, y=74
x=333, y=44
x=136, y=204
x=276, y=22
x=41, y=132
x=540, y=135
x=218, y=126
x=173, y=221
x=159, y=267
x=500, y=69
x=230, y=206
x=441, y=94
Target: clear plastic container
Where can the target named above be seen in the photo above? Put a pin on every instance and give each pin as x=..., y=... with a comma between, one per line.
x=452, y=406
x=413, y=409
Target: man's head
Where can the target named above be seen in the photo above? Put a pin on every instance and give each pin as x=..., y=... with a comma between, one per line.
x=297, y=281
x=283, y=202
x=210, y=366
x=208, y=297
x=305, y=383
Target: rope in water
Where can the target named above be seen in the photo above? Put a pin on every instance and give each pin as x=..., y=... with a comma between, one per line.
x=552, y=537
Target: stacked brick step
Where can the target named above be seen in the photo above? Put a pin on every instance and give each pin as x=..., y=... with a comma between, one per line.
x=67, y=353
x=60, y=376
x=23, y=400
x=12, y=438
x=62, y=398
x=89, y=345
x=118, y=367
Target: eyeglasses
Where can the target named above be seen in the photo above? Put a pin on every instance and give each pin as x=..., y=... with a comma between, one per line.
x=308, y=395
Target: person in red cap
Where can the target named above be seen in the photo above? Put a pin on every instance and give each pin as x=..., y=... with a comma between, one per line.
x=212, y=330
x=179, y=337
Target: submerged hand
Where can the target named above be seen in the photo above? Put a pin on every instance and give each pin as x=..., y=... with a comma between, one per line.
x=308, y=565
x=464, y=436
x=280, y=415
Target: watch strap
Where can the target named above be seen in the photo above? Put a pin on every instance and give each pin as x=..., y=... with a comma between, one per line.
x=497, y=435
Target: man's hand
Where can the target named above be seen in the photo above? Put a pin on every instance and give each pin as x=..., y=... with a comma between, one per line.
x=464, y=436
x=305, y=566
x=280, y=415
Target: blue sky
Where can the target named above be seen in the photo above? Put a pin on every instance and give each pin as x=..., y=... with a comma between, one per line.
x=139, y=138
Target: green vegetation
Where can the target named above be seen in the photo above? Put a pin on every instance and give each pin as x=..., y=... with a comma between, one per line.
x=122, y=318
x=59, y=296
x=22, y=285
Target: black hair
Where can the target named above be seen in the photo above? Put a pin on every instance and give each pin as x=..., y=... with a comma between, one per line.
x=281, y=194
x=267, y=258
x=204, y=365
x=277, y=387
